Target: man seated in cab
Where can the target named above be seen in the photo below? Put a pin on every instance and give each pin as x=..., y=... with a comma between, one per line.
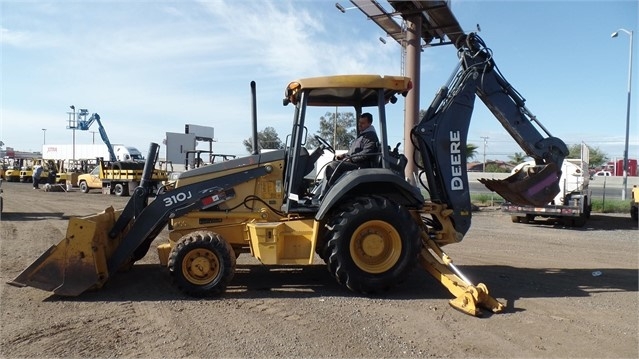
x=361, y=153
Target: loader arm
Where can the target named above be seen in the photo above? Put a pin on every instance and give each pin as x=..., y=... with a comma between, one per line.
x=151, y=220
x=441, y=138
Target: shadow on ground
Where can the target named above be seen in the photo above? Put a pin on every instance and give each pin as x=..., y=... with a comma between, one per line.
x=148, y=282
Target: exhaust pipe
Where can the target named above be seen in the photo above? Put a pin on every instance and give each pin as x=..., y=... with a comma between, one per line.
x=256, y=151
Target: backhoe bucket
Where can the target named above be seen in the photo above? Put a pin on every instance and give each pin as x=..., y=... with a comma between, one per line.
x=528, y=187
x=78, y=262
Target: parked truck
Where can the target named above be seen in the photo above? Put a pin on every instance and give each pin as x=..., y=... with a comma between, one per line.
x=572, y=205
x=119, y=178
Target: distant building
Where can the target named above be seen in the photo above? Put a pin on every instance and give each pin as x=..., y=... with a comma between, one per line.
x=616, y=167
x=9, y=152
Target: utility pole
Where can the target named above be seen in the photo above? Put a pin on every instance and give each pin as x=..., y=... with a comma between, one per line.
x=485, y=144
x=93, y=134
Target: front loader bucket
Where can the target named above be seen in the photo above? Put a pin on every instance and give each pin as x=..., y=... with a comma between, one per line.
x=78, y=262
x=536, y=188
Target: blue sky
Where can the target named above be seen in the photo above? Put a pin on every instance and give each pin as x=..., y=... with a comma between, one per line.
x=150, y=67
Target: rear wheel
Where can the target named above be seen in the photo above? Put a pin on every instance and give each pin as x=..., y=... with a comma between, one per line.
x=120, y=189
x=202, y=264
x=84, y=188
x=373, y=244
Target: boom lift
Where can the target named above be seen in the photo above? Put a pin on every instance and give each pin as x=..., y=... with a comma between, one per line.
x=370, y=226
x=83, y=124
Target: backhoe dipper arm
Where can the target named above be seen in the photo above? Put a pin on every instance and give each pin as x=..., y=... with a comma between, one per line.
x=441, y=137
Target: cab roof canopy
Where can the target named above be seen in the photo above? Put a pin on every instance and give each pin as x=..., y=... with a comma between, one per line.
x=347, y=90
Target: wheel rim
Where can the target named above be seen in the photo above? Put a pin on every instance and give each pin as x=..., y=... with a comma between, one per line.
x=375, y=246
x=200, y=266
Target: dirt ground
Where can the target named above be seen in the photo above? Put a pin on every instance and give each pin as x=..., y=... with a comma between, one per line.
x=568, y=293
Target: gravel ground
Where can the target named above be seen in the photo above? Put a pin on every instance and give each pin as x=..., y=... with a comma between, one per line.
x=568, y=293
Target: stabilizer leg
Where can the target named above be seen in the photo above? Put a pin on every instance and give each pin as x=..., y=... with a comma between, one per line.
x=469, y=298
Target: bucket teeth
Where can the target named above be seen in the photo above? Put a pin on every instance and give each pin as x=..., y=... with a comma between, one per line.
x=526, y=188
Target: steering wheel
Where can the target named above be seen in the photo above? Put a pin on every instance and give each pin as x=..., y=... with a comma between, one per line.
x=325, y=143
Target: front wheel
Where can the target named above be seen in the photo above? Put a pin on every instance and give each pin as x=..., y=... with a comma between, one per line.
x=84, y=188
x=373, y=244
x=202, y=264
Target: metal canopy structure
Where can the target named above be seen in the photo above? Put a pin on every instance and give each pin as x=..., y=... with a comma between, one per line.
x=438, y=21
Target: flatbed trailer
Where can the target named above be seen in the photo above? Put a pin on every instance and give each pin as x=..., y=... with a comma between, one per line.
x=573, y=215
x=119, y=178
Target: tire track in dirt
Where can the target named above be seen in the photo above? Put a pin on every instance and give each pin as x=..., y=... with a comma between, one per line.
x=90, y=333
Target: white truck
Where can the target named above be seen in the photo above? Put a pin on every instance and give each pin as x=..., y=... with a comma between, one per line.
x=572, y=205
x=90, y=152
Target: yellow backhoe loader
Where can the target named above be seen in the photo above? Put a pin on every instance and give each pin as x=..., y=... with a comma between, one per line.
x=370, y=226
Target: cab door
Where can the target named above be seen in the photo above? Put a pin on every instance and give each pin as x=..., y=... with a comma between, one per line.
x=94, y=178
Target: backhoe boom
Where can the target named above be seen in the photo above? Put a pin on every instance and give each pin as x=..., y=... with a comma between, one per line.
x=441, y=137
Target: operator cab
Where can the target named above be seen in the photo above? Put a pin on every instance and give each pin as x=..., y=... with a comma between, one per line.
x=354, y=91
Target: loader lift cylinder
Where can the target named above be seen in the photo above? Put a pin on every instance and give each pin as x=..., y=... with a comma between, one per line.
x=140, y=196
x=147, y=173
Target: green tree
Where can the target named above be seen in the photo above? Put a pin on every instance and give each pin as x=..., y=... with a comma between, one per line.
x=266, y=139
x=517, y=158
x=471, y=150
x=345, y=130
x=597, y=156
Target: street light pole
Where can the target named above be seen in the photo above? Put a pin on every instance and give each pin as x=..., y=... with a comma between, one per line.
x=44, y=136
x=485, y=143
x=625, y=151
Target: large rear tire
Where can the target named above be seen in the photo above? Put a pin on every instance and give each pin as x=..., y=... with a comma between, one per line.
x=373, y=244
x=202, y=264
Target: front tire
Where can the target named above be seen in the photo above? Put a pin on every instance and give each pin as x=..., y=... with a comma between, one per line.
x=202, y=264
x=373, y=244
x=84, y=188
